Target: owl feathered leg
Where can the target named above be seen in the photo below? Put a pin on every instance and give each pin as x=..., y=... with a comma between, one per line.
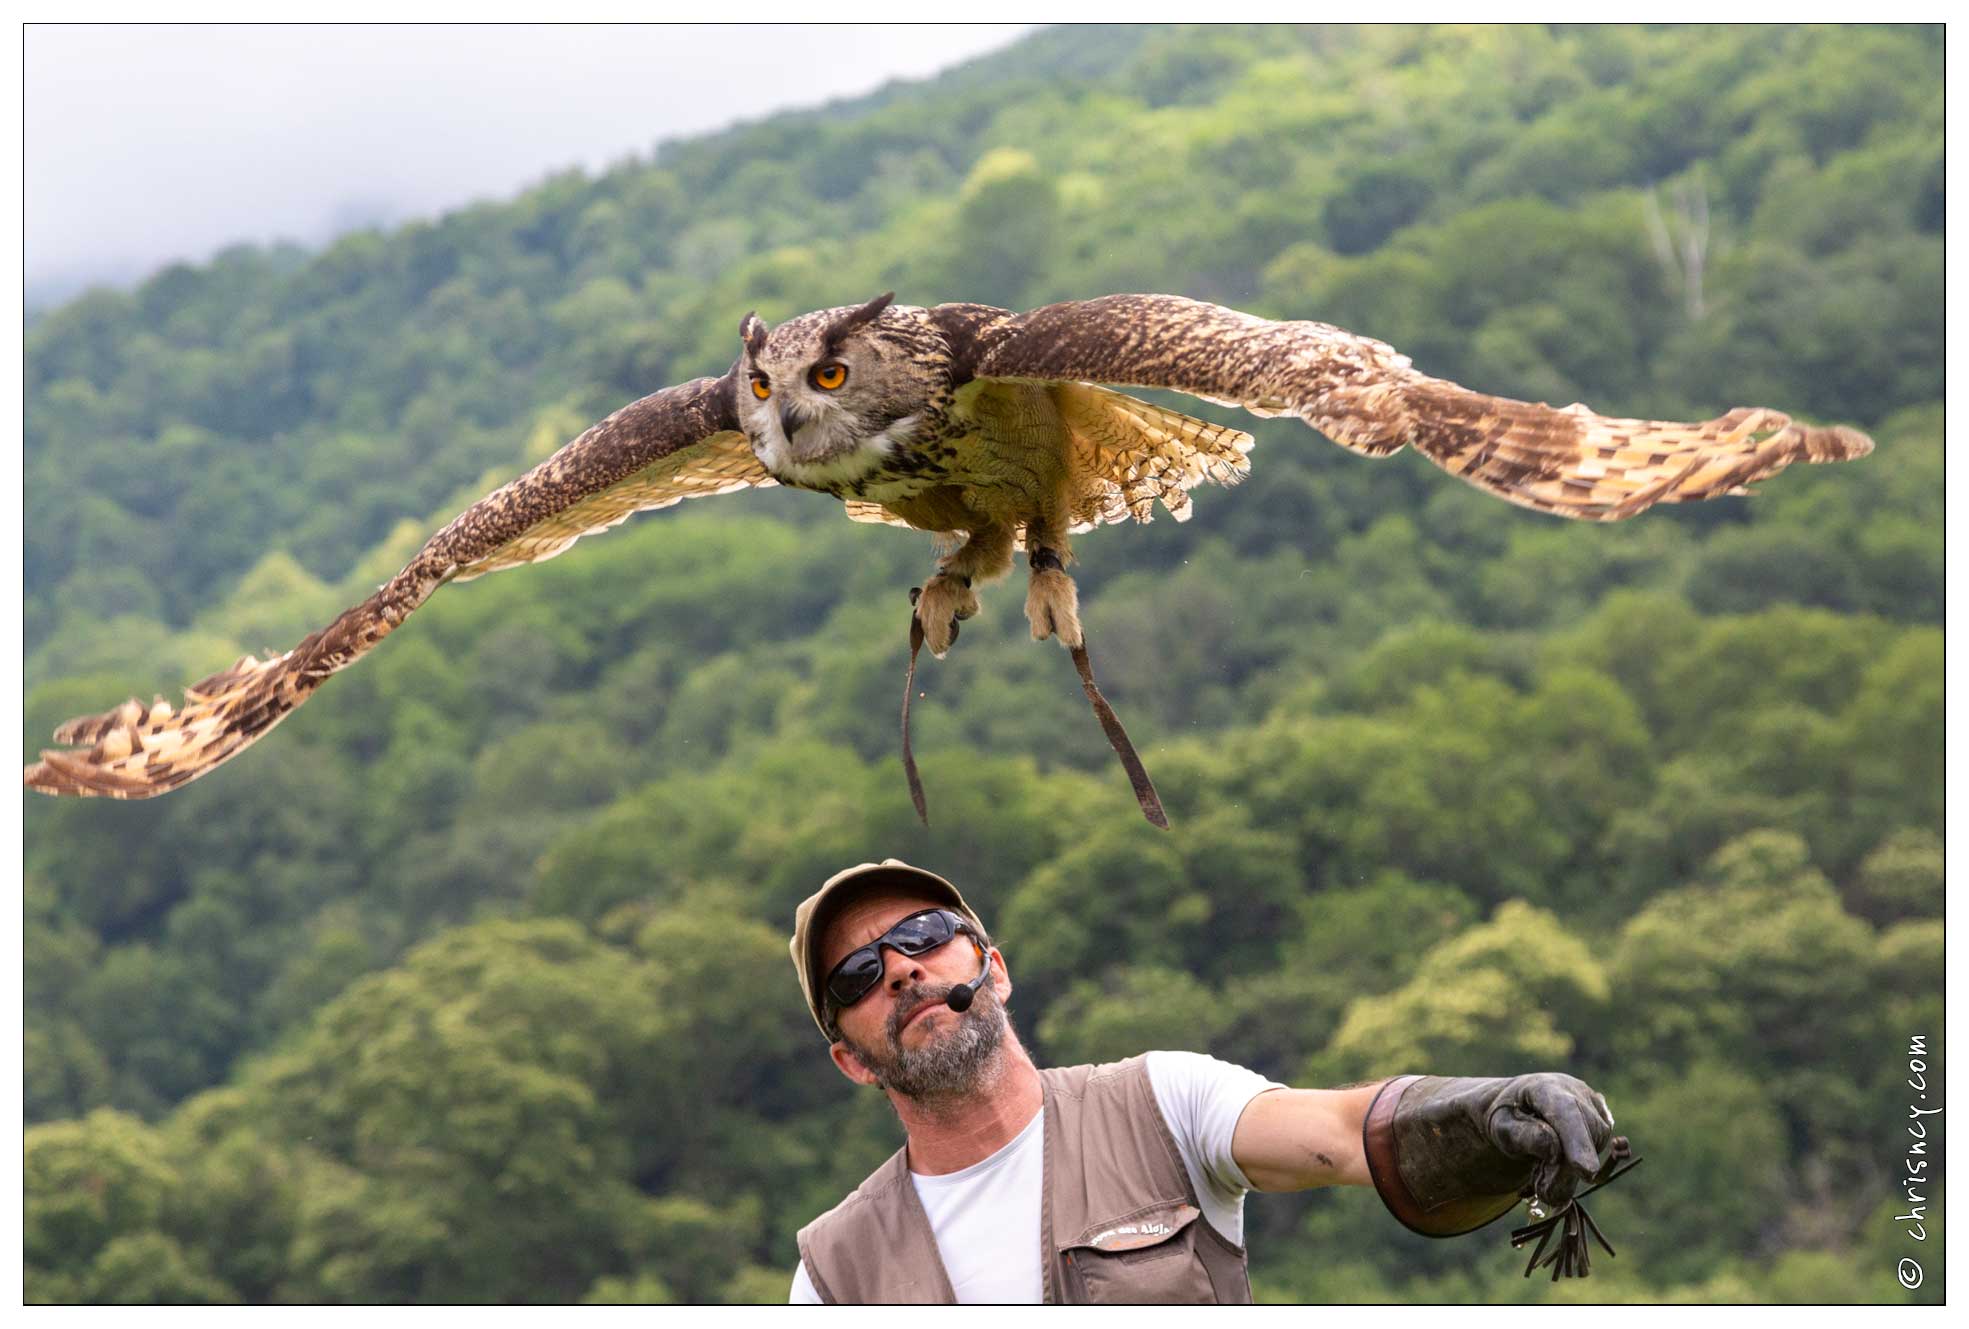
x=950, y=596
x=1053, y=609
x=1052, y=602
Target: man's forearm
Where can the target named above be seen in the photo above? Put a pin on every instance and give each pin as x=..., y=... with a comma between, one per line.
x=1294, y=1139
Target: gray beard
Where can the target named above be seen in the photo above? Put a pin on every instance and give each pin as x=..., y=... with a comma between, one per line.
x=946, y=1069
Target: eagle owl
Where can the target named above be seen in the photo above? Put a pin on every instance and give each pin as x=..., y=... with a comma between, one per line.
x=992, y=431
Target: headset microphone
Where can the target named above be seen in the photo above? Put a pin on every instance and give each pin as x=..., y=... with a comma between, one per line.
x=964, y=994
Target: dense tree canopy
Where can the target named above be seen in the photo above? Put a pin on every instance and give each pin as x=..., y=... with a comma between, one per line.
x=470, y=984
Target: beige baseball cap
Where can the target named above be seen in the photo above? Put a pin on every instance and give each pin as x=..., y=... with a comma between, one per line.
x=810, y=920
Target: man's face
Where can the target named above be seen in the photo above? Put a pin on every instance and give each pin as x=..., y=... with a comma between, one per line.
x=902, y=1035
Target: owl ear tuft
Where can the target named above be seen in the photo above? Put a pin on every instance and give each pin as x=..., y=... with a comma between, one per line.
x=752, y=331
x=855, y=318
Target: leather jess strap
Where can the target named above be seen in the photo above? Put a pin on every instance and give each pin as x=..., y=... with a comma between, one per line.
x=908, y=688
x=1138, y=776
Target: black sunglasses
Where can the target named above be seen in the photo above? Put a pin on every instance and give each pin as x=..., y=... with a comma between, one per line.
x=917, y=934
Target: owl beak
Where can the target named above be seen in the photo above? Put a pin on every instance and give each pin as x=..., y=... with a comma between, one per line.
x=790, y=420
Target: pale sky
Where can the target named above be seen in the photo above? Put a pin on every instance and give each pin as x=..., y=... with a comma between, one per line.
x=151, y=143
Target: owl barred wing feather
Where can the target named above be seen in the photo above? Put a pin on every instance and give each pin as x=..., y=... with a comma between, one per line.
x=675, y=444
x=1575, y=463
x=860, y=509
x=720, y=464
x=1366, y=396
x=1130, y=454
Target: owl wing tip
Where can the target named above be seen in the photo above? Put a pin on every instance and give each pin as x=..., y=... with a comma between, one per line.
x=89, y=728
x=1836, y=443
x=72, y=773
x=1813, y=443
x=135, y=751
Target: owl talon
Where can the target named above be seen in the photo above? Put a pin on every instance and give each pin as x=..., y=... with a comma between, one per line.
x=943, y=602
x=1052, y=603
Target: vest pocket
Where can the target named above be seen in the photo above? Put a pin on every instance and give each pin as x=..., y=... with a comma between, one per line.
x=1149, y=1256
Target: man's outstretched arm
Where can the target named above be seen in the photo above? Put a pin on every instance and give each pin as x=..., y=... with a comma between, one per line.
x=1446, y=1154
x=1293, y=1139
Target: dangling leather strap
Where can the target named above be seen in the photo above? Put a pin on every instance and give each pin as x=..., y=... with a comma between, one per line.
x=1571, y=1257
x=1118, y=739
x=909, y=690
x=1138, y=777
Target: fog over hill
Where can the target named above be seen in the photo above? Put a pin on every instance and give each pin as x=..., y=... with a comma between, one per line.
x=263, y=133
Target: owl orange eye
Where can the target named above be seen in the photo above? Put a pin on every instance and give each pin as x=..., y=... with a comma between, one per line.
x=761, y=389
x=830, y=376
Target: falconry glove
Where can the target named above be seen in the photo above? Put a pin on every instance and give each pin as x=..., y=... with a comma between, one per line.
x=1449, y=1155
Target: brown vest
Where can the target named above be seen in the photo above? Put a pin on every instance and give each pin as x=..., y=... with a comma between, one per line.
x=1118, y=1218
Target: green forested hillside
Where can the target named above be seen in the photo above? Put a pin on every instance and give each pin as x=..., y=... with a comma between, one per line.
x=471, y=982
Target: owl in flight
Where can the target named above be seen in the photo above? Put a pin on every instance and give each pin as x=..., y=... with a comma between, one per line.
x=990, y=430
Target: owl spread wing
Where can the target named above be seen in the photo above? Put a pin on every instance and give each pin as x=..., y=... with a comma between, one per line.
x=1366, y=396
x=675, y=444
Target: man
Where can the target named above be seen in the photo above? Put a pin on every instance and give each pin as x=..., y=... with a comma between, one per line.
x=1117, y=1183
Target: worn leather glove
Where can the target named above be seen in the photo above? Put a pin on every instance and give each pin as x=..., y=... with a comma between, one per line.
x=1450, y=1155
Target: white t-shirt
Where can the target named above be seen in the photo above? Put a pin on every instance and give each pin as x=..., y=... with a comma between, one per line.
x=986, y=1217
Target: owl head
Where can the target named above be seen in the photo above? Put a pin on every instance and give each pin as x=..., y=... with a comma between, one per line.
x=826, y=396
